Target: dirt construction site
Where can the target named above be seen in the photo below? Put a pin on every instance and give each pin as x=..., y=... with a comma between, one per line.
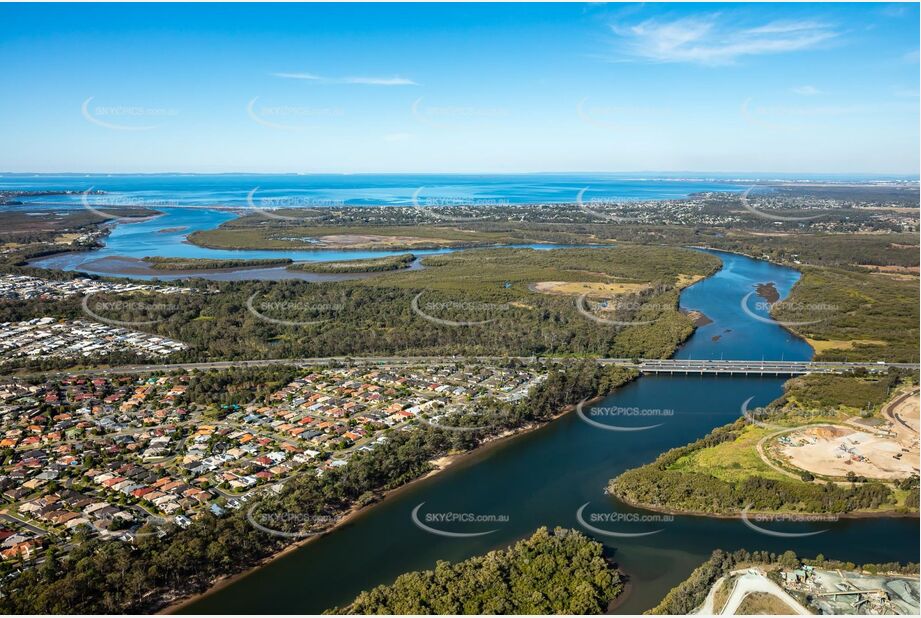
x=886, y=451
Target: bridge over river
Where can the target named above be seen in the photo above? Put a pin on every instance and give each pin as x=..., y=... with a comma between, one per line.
x=644, y=365
x=746, y=367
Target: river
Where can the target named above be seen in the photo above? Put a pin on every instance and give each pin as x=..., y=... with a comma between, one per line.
x=544, y=477
x=190, y=203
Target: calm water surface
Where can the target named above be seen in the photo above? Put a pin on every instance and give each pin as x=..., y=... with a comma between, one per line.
x=363, y=189
x=543, y=478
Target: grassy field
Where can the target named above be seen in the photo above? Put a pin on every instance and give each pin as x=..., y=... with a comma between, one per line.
x=721, y=594
x=732, y=461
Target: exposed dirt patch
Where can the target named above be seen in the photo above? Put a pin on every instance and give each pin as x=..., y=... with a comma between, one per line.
x=698, y=318
x=591, y=288
x=374, y=240
x=820, y=345
x=684, y=281
x=835, y=450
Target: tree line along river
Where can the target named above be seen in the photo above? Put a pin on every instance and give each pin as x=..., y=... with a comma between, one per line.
x=544, y=478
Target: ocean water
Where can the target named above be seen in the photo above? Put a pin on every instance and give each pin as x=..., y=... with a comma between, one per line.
x=362, y=189
x=199, y=202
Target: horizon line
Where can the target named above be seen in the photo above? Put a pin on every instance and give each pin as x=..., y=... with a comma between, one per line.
x=913, y=176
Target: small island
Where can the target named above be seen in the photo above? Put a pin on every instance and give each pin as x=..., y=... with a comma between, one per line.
x=568, y=569
x=768, y=291
x=370, y=265
x=178, y=263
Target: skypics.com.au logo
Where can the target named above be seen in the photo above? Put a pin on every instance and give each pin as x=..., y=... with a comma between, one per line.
x=283, y=312
x=287, y=524
x=125, y=117
x=758, y=522
x=288, y=199
x=438, y=206
x=819, y=312
x=453, y=419
x=597, y=310
x=771, y=216
x=437, y=523
x=99, y=203
x=128, y=313
x=605, y=523
x=290, y=117
x=425, y=311
x=620, y=412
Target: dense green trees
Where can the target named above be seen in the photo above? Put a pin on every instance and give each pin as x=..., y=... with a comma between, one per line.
x=829, y=392
x=559, y=572
x=176, y=263
x=296, y=319
x=238, y=385
x=845, y=305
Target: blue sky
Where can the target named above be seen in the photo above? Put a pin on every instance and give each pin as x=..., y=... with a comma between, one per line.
x=829, y=88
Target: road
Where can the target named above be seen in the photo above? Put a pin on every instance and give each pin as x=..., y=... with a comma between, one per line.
x=671, y=366
x=707, y=608
x=889, y=410
x=13, y=519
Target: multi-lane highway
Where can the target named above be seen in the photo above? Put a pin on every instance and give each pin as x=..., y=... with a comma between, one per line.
x=746, y=367
x=672, y=366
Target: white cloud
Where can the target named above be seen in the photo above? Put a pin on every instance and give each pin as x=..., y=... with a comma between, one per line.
x=807, y=90
x=309, y=76
x=369, y=81
x=708, y=40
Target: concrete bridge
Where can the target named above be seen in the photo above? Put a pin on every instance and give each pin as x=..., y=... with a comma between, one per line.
x=644, y=365
x=760, y=368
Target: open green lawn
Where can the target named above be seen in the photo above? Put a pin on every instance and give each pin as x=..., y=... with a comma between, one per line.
x=731, y=461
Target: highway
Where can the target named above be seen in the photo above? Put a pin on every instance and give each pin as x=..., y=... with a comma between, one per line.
x=651, y=366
